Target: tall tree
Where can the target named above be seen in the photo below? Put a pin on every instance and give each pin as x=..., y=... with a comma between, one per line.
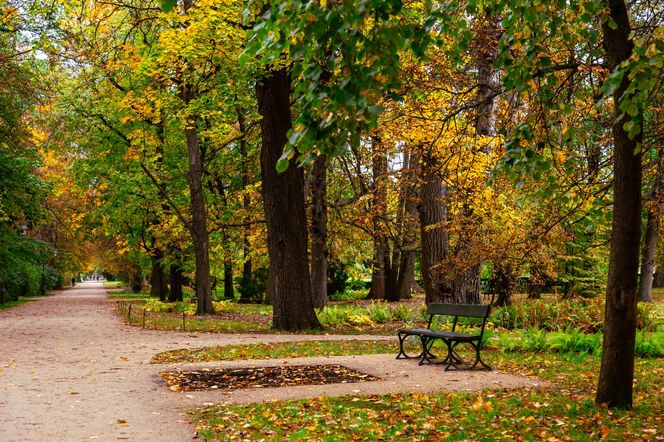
x=289, y=285
x=616, y=375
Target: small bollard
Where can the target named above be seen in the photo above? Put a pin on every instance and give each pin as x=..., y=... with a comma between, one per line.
x=183, y=324
x=144, y=319
x=129, y=315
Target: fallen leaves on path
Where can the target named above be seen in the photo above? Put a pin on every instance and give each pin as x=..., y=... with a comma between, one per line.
x=258, y=377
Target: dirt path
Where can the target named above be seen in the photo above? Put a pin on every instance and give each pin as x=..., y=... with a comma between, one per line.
x=70, y=369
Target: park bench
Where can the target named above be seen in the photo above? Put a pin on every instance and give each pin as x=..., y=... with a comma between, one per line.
x=451, y=338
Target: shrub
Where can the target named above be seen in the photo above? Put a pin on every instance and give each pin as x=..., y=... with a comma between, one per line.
x=649, y=345
x=254, y=289
x=379, y=312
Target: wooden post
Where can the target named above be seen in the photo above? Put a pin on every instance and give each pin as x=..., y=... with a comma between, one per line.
x=183, y=323
x=144, y=319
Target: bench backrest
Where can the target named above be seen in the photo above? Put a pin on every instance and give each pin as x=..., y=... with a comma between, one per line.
x=465, y=310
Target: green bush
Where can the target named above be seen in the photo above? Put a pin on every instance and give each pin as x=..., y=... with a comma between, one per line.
x=379, y=312
x=649, y=345
x=587, y=315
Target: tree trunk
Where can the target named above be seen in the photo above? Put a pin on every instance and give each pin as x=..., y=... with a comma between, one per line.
x=658, y=279
x=198, y=227
x=403, y=257
x=503, y=283
x=617, y=370
x=435, y=242
x=289, y=284
x=377, y=289
x=177, y=278
x=246, y=206
x=381, y=261
x=648, y=257
x=466, y=284
x=158, y=285
x=229, y=289
x=319, y=232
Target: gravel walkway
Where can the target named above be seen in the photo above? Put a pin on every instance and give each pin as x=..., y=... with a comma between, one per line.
x=71, y=370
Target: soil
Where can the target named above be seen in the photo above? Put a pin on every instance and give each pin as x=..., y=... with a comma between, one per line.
x=72, y=370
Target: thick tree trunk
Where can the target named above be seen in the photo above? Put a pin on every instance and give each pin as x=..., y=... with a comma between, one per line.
x=466, y=286
x=435, y=242
x=229, y=289
x=289, y=284
x=177, y=278
x=158, y=284
x=198, y=227
x=617, y=370
x=381, y=261
x=319, y=232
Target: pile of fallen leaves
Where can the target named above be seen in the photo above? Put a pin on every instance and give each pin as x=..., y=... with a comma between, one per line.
x=259, y=377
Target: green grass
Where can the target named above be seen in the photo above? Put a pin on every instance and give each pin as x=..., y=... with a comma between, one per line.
x=11, y=304
x=277, y=350
x=113, y=283
x=563, y=410
x=134, y=296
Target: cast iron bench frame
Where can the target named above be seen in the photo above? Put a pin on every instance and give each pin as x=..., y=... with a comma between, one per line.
x=450, y=338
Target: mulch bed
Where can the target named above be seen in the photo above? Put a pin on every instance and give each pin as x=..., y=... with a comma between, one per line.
x=259, y=377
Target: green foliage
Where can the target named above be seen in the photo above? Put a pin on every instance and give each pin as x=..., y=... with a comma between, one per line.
x=586, y=315
x=649, y=344
x=336, y=280
x=254, y=289
x=344, y=56
x=23, y=265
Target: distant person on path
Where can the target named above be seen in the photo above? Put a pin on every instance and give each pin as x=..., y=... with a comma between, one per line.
x=73, y=282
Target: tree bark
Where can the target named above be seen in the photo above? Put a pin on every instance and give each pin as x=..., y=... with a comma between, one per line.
x=229, y=289
x=319, y=232
x=289, y=284
x=503, y=283
x=246, y=206
x=435, y=242
x=617, y=369
x=198, y=227
x=381, y=260
x=648, y=257
x=403, y=256
x=158, y=285
x=177, y=278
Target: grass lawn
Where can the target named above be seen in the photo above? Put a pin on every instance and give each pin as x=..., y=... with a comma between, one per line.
x=564, y=410
x=10, y=304
x=277, y=350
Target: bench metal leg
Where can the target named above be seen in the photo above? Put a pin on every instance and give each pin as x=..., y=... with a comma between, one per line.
x=426, y=355
x=457, y=363
x=402, y=353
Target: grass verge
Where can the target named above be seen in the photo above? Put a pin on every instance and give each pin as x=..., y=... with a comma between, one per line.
x=565, y=410
x=10, y=304
x=277, y=350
